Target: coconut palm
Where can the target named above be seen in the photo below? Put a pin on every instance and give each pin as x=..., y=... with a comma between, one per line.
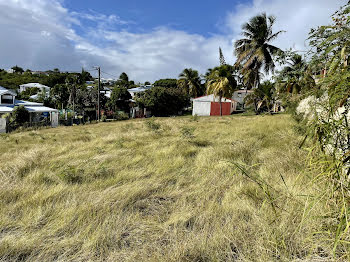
x=255, y=52
x=190, y=82
x=262, y=97
x=295, y=76
x=221, y=83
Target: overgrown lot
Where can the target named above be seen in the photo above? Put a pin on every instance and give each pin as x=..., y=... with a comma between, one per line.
x=233, y=188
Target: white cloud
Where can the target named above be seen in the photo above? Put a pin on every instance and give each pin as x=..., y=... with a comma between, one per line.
x=295, y=17
x=39, y=35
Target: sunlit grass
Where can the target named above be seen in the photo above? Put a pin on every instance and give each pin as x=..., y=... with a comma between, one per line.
x=212, y=189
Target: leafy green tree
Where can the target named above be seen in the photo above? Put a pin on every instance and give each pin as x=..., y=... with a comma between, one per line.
x=221, y=83
x=163, y=101
x=124, y=77
x=190, y=82
x=254, y=52
x=60, y=95
x=20, y=115
x=119, y=99
x=86, y=76
x=168, y=83
x=147, y=83
x=17, y=69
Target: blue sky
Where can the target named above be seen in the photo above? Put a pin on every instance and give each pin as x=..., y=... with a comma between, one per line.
x=198, y=17
x=148, y=40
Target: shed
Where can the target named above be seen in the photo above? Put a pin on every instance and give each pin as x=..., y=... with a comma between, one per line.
x=210, y=106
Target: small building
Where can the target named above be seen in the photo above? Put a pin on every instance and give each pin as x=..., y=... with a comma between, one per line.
x=37, y=111
x=210, y=106
x=140, y=89
x=239, y=96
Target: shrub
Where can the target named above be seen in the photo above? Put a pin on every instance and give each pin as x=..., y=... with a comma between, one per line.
x=20, y=115
x=151, y=124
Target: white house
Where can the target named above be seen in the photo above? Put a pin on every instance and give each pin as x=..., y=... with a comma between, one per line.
x=239, y=96
x=140, y=89
x=41, y=87
x=210, y=106
x=37, y=111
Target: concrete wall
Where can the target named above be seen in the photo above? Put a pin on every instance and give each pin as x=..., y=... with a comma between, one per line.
x=201, y=108
x=2, y=125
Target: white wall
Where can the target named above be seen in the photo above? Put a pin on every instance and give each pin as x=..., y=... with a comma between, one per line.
x=201, y=108
x=2, y=125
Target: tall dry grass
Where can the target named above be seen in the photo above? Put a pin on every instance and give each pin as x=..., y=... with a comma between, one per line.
x=174, y=189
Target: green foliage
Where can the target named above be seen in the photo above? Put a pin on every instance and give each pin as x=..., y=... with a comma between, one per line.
x=17, y=69
x=20, y=115
x=119, y=99
x=221, y=83
x=190, y=82
x=152, y=125
x=254, y=52
x=168, y=83
x=262, y=97
x=296, y=77
x=120, y=115
x=163, y=101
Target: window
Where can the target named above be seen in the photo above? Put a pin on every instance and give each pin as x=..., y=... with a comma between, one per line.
x=6, y=99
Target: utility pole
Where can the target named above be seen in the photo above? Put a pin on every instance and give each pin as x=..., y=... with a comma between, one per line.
x=98, y=93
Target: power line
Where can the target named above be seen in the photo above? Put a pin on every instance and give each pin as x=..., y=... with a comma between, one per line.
x=110, y=74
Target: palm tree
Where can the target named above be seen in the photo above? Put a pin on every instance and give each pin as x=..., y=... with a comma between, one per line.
x=191, y=82
x=295, y=76
x=262, y=96
x=255, y=52
x=221, y=83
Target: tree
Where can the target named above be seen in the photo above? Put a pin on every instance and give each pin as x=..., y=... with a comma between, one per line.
x=262, y=97
x=124, y=77
x=60, y=95
x=255, y=52
x=119, y=99
x=221, y=57
x=147, y=83
x=17, y=69
x=190, y=82
x=168, y=83
x=295, y=76
x=20, y=115
x=163, y=101
x=86, y=76
x=72, y=83
x=221, y=83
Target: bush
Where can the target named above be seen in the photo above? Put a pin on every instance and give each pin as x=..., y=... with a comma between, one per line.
x=20, y=115
x=151, y=124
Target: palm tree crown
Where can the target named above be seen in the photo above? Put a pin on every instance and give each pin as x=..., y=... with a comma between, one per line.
x=255, y=51
x=190, y=82
x=221, y=82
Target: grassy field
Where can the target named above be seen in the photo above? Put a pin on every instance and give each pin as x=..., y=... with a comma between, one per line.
x=175, y=189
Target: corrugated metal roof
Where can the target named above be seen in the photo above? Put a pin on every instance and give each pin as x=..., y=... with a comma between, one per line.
x=211, y=98
x=40, y=109
x=38, y=85
x=4, y=91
